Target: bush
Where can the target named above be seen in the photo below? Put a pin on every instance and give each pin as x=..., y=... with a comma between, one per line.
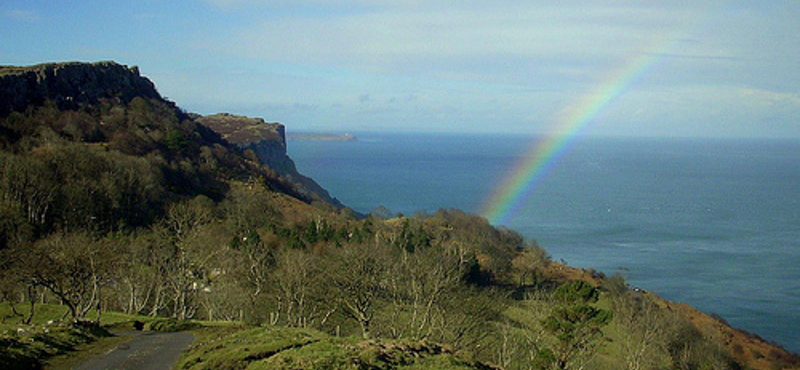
x=170, y=325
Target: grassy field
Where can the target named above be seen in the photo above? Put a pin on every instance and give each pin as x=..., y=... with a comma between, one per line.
x=51, y=345
x=279, y=348
x=219, y=345
x=49, y=312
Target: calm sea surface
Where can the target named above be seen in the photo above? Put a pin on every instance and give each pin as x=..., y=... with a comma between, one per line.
x=711, y=222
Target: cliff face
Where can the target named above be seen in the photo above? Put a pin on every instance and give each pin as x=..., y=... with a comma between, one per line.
x=153, y=125
x=70, y=84
x=267, y=141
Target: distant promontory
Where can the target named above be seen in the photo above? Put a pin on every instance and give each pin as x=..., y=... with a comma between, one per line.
x=319, y=136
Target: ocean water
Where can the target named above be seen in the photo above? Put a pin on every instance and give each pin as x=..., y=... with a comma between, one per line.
x=710, y=222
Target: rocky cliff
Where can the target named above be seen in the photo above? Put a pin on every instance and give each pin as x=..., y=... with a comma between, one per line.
x=70, y=84
x=141, y=122
x=267, y=141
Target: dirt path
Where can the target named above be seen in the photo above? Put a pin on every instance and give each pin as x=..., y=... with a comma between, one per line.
x=147, y=351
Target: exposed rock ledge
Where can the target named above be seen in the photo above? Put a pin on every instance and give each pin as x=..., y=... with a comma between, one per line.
x=74, y=84
x=70, y=84
x=267, y=141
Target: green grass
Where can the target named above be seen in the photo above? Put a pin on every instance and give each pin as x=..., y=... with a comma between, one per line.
x=169, y=325
x=234, y=348
x=279, y=348
x=443, y=362
x=352, y=353
x=52, y=346
x=219, y=345
x=26, y=349
x=43, y=313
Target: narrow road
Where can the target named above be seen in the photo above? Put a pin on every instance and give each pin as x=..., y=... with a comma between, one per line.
x=147, y=351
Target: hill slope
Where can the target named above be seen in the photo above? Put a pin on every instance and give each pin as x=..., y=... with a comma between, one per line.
x=112, y=197
x=268, y=142
x=112, y=120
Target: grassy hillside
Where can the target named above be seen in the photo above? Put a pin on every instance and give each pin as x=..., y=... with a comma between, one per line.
x=128, y=204
x=291, y=348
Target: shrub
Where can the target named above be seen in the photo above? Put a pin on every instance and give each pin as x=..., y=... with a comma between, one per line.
x=171, y=325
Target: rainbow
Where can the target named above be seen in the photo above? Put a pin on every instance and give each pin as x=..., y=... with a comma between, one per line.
x=537, y=163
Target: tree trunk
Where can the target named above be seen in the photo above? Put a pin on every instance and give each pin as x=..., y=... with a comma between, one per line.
x=32, y=299
x=364, y=323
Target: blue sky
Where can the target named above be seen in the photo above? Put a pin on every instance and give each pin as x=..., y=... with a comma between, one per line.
x=717, y=68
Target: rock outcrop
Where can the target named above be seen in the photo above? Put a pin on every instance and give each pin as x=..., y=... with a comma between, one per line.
x=76, y=86
x=70, y=84
x=268, y=142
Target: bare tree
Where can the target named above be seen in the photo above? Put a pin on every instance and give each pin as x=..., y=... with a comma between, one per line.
x=644, y=340
x=74, y=268
x=466, y=324
x=529, y=263
x=356, y=277
x=180, y=235
x=299, y=294
x=142, y=278
x=417, y=284
x=28, y=182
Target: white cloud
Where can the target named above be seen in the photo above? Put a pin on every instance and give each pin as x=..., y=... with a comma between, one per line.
x=500, y=39
x=768, y=98
x=519, y=62
x=22, y=15
x=300, y=3
x=702, y=110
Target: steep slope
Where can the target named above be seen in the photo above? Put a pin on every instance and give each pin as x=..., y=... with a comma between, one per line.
x=70, y=85
x=113, y=105
x=268, y=142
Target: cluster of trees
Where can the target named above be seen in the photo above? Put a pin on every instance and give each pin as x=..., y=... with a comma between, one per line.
x=112, y=166
x=75, y=187
x=448, y=278
x=134, y=207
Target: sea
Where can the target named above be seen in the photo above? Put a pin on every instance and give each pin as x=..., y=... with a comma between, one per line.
x=714, y=223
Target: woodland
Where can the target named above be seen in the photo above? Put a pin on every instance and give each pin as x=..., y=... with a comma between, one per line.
x=128, y=204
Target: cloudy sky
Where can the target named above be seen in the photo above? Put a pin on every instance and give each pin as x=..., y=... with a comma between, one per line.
x=666, y=68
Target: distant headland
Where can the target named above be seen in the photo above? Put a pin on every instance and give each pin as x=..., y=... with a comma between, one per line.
x=319, y=136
